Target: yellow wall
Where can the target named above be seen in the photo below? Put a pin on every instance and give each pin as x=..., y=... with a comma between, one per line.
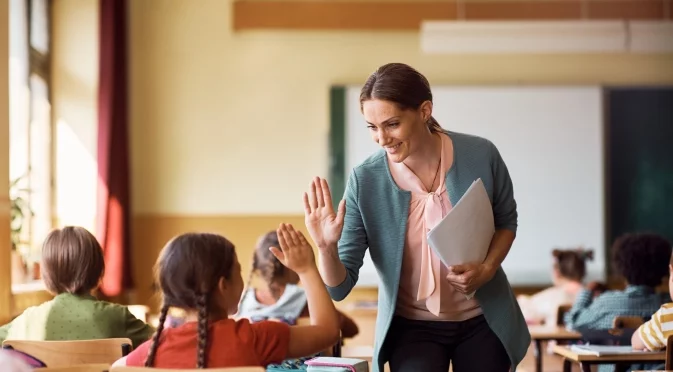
x=227, y=129
x=74, y=109
x=5, y=248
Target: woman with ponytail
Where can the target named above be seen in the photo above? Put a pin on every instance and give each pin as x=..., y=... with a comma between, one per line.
x=200, y=273
x=568, y=271
x=427, y=317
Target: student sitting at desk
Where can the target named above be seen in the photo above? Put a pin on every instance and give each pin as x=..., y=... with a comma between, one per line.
x=654, y=334
x=567, y=274
x=72, y=267
x=279, y=296
x=642, y=259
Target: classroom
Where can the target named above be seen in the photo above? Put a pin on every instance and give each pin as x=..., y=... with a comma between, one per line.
x=134, y=133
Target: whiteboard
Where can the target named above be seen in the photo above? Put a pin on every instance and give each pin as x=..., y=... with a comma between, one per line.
x=552, y=142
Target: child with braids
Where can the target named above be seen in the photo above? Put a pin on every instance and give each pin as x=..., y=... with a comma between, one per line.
x=278, y=296
x=200, y=273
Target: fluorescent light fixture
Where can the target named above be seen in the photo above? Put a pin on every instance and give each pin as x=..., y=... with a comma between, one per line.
x=544, y=37
x=650, y=37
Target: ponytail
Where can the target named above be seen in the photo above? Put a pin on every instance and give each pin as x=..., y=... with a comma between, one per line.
x=434, y=126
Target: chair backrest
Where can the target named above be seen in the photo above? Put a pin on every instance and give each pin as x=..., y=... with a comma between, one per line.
x=77, y=368
x=146, y=369
x=560, y=313
x=69, y=353
x=627, y=322
x=669, y=353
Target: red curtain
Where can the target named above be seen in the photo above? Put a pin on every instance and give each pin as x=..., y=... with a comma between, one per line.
x=113, y=230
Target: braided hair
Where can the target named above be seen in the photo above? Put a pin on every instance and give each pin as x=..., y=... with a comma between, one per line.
x=266, y=265
x=189, y=268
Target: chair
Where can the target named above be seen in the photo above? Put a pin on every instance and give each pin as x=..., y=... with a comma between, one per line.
x=77, y=368
x=70, y=353
x=633, y=322
x=560, y=313
x=669, y=353
x=147, y=369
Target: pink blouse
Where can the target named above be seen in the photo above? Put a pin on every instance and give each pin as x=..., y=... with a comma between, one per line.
x=424, y=292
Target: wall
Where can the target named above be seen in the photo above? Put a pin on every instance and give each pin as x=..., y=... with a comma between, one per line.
x=227, y=129
x=74, y=109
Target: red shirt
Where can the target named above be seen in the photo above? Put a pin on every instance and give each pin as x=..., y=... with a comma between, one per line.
x=230, y=344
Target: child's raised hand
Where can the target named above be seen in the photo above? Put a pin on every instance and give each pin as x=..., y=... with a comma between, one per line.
x=294, y=251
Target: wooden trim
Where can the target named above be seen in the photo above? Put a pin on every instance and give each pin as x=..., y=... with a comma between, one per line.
x=627, y=9
x=407, y=15
x=523, y=10
x=339, y=15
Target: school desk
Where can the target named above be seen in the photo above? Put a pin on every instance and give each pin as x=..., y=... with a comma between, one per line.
x=539, y=333
x=622, y=361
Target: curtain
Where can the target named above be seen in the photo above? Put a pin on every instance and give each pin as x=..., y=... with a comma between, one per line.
x=113, y=224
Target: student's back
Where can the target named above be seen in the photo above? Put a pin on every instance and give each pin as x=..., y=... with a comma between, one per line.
x=72, y=317
x=72, y=266
x=237, y=343
x=642, y=259
x=200, y=274
x=568, y=272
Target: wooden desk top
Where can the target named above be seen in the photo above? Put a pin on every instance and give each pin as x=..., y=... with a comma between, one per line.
x=543, y=332
x=567, y=353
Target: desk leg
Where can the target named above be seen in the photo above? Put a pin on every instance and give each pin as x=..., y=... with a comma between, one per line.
x=567, y=365
x=586, y=367
x=622, y=367
x=537, y=351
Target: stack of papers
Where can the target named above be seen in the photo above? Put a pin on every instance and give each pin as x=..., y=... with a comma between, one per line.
x=603, y=350
x=465, y=233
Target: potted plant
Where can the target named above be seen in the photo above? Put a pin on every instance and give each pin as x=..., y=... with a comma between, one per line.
x=20, y=212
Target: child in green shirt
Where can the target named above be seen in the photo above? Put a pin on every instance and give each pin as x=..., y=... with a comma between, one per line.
x=72, y=267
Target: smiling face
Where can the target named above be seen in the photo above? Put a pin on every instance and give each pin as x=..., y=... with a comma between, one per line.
x=399, y=132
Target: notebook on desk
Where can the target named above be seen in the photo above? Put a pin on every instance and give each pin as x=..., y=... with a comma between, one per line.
x=604, y=350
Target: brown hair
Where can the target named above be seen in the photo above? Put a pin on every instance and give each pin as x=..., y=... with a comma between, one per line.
x=571, y=263
x=72, y=261
x=189, y=267
x=266, y=264
x=401, y=84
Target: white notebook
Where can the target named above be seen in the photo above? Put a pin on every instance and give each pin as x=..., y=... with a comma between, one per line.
x=602, y=350
x=465, y=233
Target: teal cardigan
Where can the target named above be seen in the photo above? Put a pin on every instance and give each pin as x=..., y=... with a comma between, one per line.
x=376, y=217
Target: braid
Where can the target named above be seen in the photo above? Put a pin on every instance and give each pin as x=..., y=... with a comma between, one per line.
x=149, y=362
x=202, y=307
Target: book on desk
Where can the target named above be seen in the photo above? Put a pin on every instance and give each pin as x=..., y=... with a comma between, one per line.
x=605, y=350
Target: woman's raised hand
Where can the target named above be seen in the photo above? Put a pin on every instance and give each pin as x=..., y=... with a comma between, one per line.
x=323, y=224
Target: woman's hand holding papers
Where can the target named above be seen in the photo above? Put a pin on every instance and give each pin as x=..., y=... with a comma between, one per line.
x=467, y=278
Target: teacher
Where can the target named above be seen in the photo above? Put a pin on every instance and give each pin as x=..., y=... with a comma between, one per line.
x=425, y=320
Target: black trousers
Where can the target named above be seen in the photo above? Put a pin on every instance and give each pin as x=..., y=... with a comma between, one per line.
x=430, y=346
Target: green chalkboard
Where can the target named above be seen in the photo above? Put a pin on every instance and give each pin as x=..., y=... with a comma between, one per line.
x=639, y=134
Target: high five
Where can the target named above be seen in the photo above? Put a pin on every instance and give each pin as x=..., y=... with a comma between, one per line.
x=424, y=320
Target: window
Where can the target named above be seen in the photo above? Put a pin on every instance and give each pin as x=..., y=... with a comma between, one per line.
x=30, y=127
